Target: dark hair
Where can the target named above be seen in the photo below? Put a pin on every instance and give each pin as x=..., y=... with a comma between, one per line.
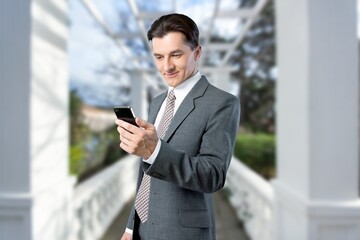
x=175, y=23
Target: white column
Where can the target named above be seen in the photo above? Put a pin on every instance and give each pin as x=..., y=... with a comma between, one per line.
x=138, y=94
x=15, y=203
x=317, y=121
x=223, y=80
x=35, y=186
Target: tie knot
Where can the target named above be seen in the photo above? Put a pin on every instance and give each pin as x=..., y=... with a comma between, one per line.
x=171, y=95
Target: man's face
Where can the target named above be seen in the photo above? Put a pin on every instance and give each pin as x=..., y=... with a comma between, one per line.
x=174, y=58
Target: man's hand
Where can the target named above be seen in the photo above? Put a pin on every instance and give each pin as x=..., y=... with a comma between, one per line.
x=140, y=141
x=126, y=236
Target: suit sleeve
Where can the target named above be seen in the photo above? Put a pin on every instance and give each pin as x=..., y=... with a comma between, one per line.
x=205, y=172
x=130, y=223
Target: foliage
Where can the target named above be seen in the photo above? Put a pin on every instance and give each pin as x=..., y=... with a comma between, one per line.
x=256, y=58
x=258, y=152
x=76, y=157
x=90, y=151
x=78, y=131
x=113, y=152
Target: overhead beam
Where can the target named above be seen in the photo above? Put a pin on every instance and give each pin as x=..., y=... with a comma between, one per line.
x=248, y=14
x=219, y=46
x=151, y=16
x=138, y=16
x=227, y=68
x=128, y=35
x=257, y=9
x=237, y=13
x=207, y=34
x=100, y=20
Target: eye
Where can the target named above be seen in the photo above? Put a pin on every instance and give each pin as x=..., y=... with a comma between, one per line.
x=176, y=55
x=158, y=57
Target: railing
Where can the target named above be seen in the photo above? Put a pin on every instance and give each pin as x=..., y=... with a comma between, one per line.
x=253, y=199
x=99, y=200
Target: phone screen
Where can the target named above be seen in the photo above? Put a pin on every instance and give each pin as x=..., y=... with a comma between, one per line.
x=126, y=114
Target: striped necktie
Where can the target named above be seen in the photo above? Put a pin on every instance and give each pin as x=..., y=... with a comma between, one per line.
x=142, y=198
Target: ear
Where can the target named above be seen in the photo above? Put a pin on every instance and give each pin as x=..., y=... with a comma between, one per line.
x=197, y=53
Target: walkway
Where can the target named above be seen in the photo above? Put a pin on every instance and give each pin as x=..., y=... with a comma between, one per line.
x=228, y=226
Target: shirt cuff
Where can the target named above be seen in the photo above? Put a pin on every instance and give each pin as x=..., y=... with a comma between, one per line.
x=128, y=230
x=154, y=155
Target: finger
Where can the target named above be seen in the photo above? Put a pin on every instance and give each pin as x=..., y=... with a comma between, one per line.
x=124, y=147
x=144, y=124
x=126, y=136
x=133, y=140
x=118, y=121
x=129, y=147
x=128, y=126
x=121, y=130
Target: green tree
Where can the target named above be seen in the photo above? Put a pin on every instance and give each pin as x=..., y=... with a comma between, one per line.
x=78, y=131
x=256, y=57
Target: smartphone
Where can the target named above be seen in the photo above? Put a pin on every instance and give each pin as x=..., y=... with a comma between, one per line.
x=126, y=114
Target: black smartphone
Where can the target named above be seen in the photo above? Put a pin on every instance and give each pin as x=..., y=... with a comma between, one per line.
x=126, y=114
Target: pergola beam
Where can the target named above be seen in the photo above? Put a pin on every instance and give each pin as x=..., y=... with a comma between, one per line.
x=99, y=18
x=150, y=16
x=207, y=34
x=226, y=49
x=128, y=35
x=257, y=9
x=219, y=46
x=227, y=68
x=237, y=13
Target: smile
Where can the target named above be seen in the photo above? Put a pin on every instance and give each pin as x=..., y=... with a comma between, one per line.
x=171, y=75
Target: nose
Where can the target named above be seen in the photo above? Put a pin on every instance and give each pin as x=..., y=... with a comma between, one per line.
x=168, y=65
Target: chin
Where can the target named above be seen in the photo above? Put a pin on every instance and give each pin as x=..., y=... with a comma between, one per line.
x=171, y=82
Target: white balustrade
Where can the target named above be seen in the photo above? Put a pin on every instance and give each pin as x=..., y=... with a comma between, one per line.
x=253, y=199
x=99, y=200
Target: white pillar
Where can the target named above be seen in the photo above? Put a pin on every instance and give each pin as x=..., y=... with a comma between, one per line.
x=223, y=80
x=138, y=94
x=317, y=121
x=35, y=186
x=15, y=219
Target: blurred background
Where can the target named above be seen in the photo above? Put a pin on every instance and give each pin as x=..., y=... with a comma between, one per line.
x=294, y=65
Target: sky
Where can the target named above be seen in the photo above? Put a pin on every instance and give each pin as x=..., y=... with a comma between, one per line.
x=85, y=59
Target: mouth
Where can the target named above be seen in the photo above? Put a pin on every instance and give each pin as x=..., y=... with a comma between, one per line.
x=171, y=75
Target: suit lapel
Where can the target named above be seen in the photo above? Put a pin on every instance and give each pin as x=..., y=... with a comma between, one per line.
x=156, y=105
x=186, y=107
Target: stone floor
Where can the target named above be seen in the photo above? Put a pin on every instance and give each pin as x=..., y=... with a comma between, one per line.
x=228, y=226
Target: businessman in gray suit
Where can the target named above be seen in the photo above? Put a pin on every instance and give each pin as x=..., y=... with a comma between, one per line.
x=186, y=144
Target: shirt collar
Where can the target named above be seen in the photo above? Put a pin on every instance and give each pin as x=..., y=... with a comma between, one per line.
x=184, y=88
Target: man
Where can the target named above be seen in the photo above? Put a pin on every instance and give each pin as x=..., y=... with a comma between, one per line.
x=187, y=144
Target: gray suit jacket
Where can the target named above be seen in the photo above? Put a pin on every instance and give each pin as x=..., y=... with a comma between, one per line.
x=192, y=164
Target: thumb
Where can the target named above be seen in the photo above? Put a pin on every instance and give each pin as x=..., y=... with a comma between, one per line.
x=144, y=124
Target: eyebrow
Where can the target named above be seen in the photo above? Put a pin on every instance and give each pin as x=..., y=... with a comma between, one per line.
x=172, y=52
